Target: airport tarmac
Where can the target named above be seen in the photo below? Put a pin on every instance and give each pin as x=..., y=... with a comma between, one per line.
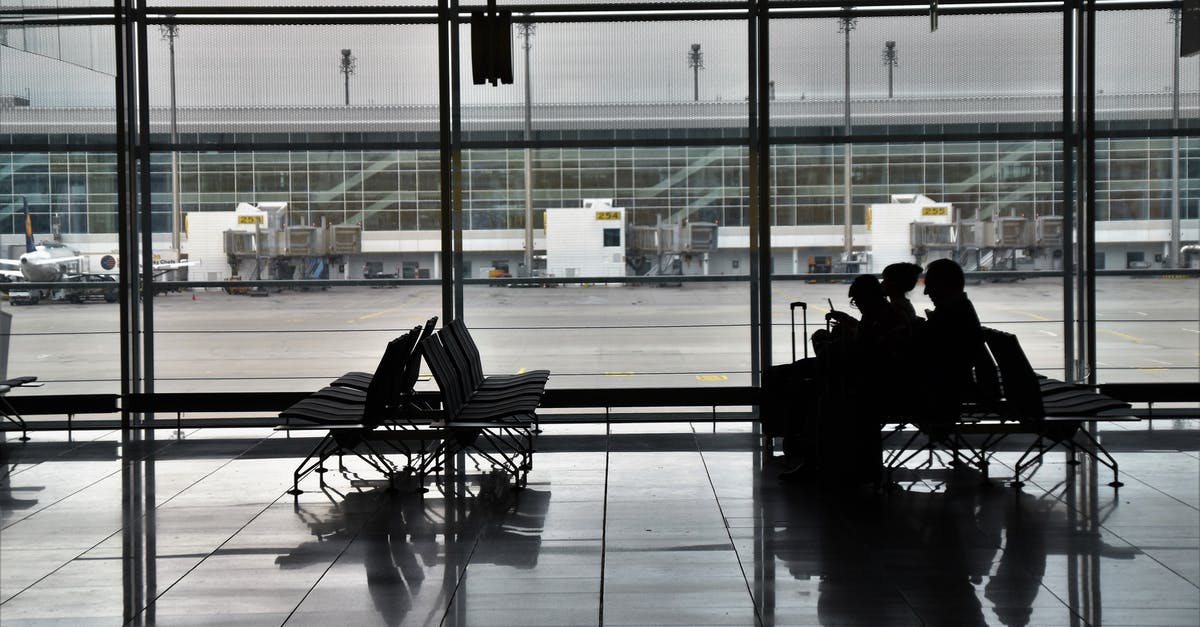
x=598, y=336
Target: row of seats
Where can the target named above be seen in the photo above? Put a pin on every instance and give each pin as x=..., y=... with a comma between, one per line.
x=1015, y=400
x=376, y=416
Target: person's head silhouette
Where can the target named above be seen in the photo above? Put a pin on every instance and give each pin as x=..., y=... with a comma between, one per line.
x=943, y=280
x=866, y=294
x=900, y=278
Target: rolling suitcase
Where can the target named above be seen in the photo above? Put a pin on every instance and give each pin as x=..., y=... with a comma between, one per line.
x=787, y=389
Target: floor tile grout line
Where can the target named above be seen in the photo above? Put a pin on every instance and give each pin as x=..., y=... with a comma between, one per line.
x=120, y=529
x=205, y=558
x=226, y=540
x=78, y=444
x=462, y=576
x=716, y=498
x=1062, y=499
x=333, y=562
x=103, y=478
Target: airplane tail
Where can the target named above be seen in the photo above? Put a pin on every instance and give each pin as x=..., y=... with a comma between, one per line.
x=29, y=245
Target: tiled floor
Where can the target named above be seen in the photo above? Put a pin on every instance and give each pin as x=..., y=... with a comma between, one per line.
x=660, y=525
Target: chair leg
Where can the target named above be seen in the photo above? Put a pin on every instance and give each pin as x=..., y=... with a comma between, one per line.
x=1022, y=465
x=1111, y=462
x=11, y=414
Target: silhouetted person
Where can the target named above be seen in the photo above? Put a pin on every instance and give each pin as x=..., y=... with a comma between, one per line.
x=839, y=435
x=866, y=338
x=898, y=280
x=949, y=344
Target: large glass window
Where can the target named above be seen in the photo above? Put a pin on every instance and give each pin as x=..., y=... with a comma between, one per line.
x=329, y=133
x=56, y=77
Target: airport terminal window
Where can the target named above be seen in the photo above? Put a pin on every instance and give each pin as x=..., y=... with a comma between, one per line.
x=658, y=172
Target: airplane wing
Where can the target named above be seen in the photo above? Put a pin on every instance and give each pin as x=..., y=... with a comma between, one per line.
x=10, y=262
x=14, y=274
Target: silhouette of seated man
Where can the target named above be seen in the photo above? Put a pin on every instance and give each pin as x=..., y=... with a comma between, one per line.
x=948, y=345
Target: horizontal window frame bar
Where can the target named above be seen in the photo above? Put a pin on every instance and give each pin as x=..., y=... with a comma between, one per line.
x=773, y=140
x=989, y=275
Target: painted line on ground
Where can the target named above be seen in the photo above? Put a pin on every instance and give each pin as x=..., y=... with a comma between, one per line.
x=376, y=314
x=1050, y=333
x=619, y=374
x=711, y=377
x=1191, y=330
x=1124, y=336
x=1031, y=315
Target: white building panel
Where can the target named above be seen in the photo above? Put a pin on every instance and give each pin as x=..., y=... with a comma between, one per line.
x=889, y=225
x=204, y=238
x=587, y=241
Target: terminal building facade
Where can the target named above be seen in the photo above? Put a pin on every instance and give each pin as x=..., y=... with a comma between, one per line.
x=394, y=194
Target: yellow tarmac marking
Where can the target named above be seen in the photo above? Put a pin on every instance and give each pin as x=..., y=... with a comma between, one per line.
x=1151, y=369
x=711, y=377
x=376, y=314
x=1124, y=336
x=619, y=374
x=1031, y=315
x=521, y=371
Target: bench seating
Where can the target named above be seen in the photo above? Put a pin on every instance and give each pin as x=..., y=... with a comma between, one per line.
x=496, y=422
x=1022, y=403
x=386, y=414
x=358, y=381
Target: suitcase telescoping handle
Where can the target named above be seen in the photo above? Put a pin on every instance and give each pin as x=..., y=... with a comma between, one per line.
x=804, y=307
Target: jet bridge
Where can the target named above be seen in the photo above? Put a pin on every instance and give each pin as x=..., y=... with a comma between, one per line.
x=286, y=252
x=663, y=249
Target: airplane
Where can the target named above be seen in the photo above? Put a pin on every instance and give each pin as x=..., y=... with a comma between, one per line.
x=41, y=263
x=53, y=262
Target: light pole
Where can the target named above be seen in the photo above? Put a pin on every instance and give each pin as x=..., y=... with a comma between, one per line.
x=891, y=61
x=846, y=23
x=347, y=67
x=1177, y=18
x=695, y=60
x=170, y=32
x=526, y=30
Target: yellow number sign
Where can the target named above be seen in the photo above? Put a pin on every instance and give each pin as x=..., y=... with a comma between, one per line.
x=608, y=215
x=933, y=211
x=250, y=219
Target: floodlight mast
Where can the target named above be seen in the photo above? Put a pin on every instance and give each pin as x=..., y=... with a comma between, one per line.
x=1175, y=257
x=695, y=60
x=169, y=32
x=348, y=65
x=526, y=30
x=847, y=23
x=891, y=61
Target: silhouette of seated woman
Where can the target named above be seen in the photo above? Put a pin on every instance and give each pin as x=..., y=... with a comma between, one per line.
x=898, y=280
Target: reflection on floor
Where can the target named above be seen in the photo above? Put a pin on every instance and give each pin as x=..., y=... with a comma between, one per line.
x=687, y=525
